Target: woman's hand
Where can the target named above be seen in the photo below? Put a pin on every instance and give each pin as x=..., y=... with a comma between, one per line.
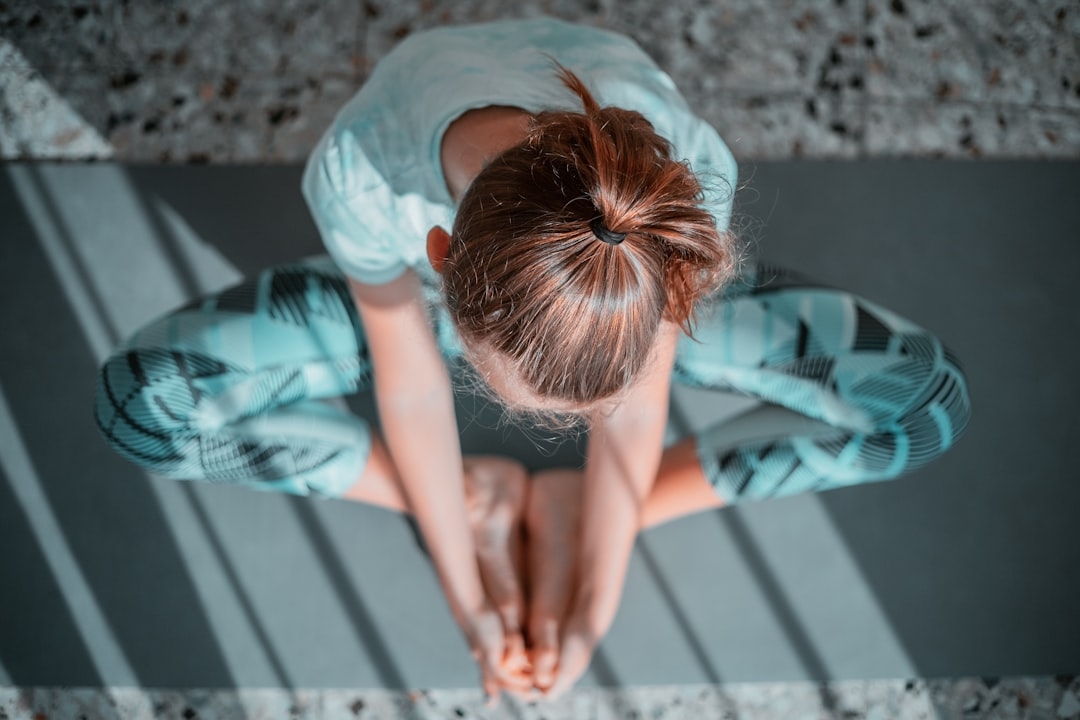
x=553, y=527
x=495, y=497
x=625, y=444
x=502, y=663
x=576, y=646
x=416, y=410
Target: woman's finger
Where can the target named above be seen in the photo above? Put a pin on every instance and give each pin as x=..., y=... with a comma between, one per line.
x=489, y=682
x=514, y=681
x=545, y=661
x=516, y=657
x=487, y=643
x=573, y=660
x=493, y=656
x=544, y=635
x=495, y=678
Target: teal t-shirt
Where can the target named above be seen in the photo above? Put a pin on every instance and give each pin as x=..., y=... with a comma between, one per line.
x=374, y=183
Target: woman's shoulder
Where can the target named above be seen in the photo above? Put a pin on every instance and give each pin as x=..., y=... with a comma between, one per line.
x=493, y=36
x=484, y=61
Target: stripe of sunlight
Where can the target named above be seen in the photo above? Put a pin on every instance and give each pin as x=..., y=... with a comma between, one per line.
x=5, y=677
x=42, y=121
x=103, y=190
x=351, y=610
x=837, y=628
x=804, y=557
x=93, y=627
x=197, y=269
x=159, y=243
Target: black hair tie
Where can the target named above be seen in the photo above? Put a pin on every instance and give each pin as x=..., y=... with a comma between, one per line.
x=604, y=235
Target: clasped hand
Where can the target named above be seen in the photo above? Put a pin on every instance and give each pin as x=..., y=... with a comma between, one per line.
x=529, y=670
x=532, y=635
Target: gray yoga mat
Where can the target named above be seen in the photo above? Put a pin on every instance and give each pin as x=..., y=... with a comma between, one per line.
x=966, y=567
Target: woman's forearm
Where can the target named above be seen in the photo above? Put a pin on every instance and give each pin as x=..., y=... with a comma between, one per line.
x=415, y=401
x=608, y=533
x=618, y=476
x=420, y=431
x=621, y=465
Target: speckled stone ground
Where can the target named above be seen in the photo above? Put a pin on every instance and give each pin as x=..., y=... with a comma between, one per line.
x=964, y=699
x=203, y=81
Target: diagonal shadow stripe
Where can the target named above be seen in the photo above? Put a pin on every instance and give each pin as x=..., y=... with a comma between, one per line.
x=237, y=586
x=662, y=584
x=606, y=677
x=167, y=241
x=687, y=630
x=49, y=270
x=37, y=608
x=335, y=571
x=367, y=634
x=781, y=608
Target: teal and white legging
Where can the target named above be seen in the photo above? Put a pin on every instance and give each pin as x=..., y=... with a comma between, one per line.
x=228, y=388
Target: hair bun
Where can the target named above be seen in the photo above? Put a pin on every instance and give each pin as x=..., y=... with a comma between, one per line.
x=575, y=320
x=603, y=234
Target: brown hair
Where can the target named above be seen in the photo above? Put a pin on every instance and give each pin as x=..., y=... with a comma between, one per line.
x=527, y=276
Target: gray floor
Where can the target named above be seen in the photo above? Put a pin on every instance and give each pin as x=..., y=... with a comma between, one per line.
x=967, y=567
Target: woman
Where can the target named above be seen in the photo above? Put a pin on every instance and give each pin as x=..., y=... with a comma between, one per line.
x=536, y=198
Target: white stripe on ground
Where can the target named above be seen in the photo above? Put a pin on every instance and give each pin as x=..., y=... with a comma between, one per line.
x=42, y=123
x=114, y=236
x=93, y=627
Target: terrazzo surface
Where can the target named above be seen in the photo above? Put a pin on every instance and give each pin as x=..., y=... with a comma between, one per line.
x=202, y=81
x=965, y=699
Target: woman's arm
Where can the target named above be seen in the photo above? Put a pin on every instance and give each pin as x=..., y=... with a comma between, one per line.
x=415, y=402
x=621, y=464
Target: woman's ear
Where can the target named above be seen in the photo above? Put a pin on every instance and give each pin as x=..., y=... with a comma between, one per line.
x=438, y=247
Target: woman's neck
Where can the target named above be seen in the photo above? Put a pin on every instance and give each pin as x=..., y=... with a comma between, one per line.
x=475, y=138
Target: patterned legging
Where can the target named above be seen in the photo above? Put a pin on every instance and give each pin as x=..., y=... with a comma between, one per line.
x=228, y=388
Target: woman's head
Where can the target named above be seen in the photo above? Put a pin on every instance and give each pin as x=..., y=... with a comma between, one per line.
x=569, y=249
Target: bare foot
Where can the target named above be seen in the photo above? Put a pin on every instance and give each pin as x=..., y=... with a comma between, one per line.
x=553, y=529
x=496, y=490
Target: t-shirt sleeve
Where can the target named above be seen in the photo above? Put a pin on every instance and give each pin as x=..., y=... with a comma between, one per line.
x=353, y=208
x=714, y=166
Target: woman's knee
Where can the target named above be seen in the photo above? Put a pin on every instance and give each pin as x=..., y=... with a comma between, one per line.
x=940, y=415
x=143, y=405
x=153, y=409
